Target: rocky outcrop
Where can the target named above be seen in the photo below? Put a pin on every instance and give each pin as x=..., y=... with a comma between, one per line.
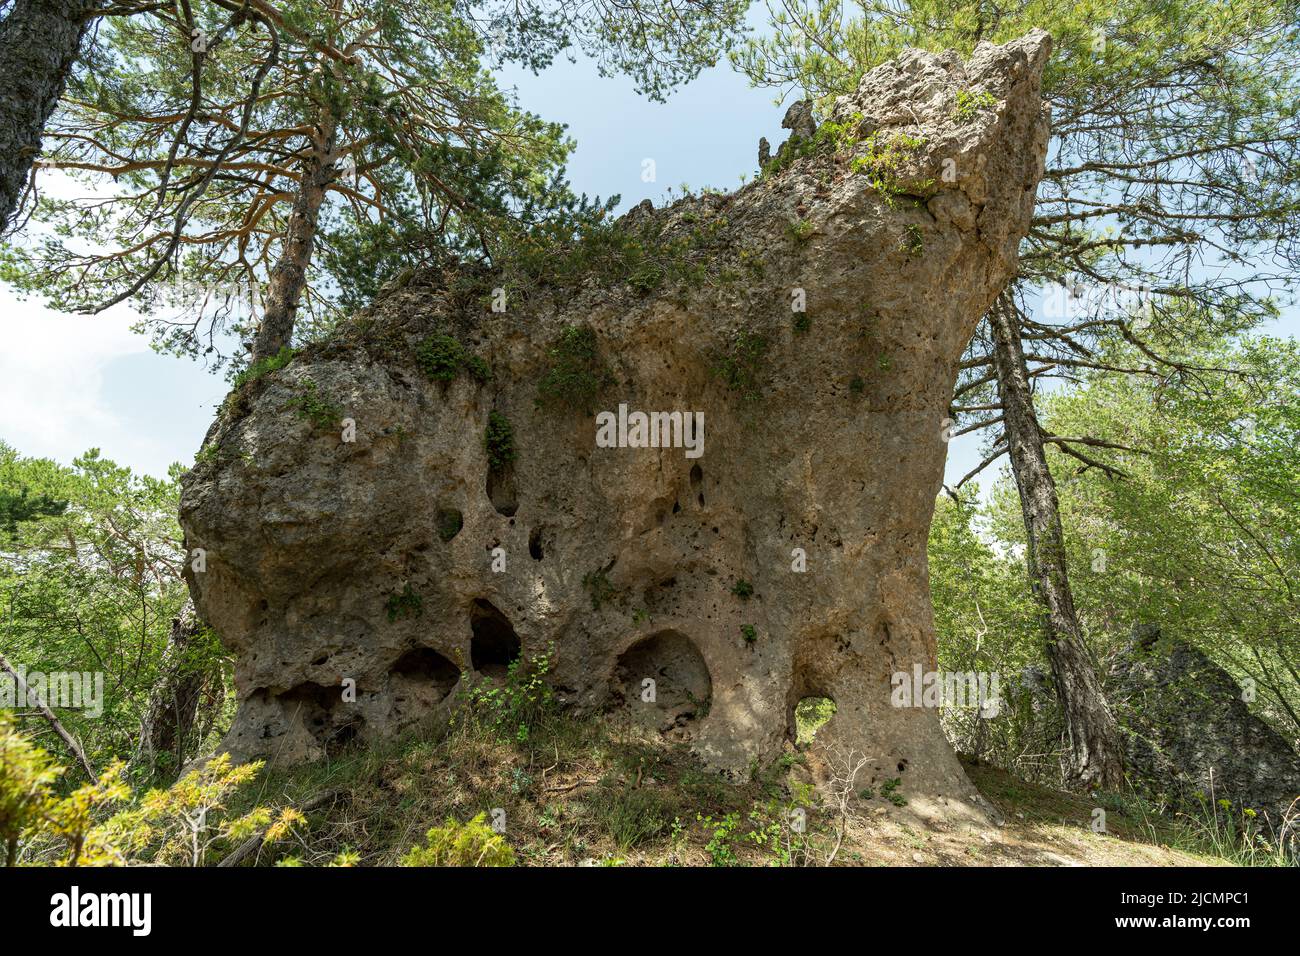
x=815, y=319
x=1190, y=738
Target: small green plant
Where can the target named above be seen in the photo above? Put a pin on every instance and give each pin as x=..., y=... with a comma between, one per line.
x=577, y=374
x=857, y=385
x=455, y=844
x=499, y=441
x=970, y=104
x=801, y=322
x=913, y=241
x=720, y=842
x=441, y=357
x=800, y=230
x=749, y=633
x=742, y=589
x=883, y=162
x=740, y=364
x=404, y=605
x=598, y=584
x=510, y=710
x=632, y=816
x=207, y=455
x=478, y=369
x=271, y=363
x=311, y=407
x=889, y=790
x=773, y=830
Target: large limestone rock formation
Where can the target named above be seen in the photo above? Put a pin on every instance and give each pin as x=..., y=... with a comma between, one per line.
x=1191, y=740
x=329, y=560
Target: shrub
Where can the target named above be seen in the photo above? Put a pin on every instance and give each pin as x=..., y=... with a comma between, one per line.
x=499, y=441
x=177, y=825
x=320, y=412
x=883, y=162
x=511, y=710
x=404, y=605
x=26, y=775
x=455, y=844
x=970, y=104
x=600, y=587
x=441, y=357
x=740, y=363
x=577, y=374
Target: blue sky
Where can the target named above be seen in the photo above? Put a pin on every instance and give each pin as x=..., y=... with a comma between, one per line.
x=69, y=383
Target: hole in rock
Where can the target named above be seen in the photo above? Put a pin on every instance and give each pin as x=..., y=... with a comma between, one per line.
x=810, y=715
x=664, y=683
x=425, y=666
x=697, y=483
x=322, y=712
x=449, y=522
x=535, y=544
x=501, y=492
x=495, y=645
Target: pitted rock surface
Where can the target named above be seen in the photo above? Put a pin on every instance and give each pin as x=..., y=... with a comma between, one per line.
x=371, y=560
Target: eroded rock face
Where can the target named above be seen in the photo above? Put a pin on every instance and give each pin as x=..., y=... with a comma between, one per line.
x=1189, y=737
x=372, y=560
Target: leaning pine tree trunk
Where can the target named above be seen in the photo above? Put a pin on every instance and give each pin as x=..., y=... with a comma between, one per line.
x=39, y=41
x=1094, y=747
x=289, y=276
x=168, y=724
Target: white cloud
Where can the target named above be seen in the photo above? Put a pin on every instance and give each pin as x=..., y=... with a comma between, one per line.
x=55, y=399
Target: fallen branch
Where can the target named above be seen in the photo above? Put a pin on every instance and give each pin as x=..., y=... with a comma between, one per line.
x=565, y=788
x=48, y=714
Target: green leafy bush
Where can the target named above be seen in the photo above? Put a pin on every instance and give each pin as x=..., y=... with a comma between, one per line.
x=499, y=440
x=511, y=709
x=970, y=104
x=462, y=844
x=441, y=357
